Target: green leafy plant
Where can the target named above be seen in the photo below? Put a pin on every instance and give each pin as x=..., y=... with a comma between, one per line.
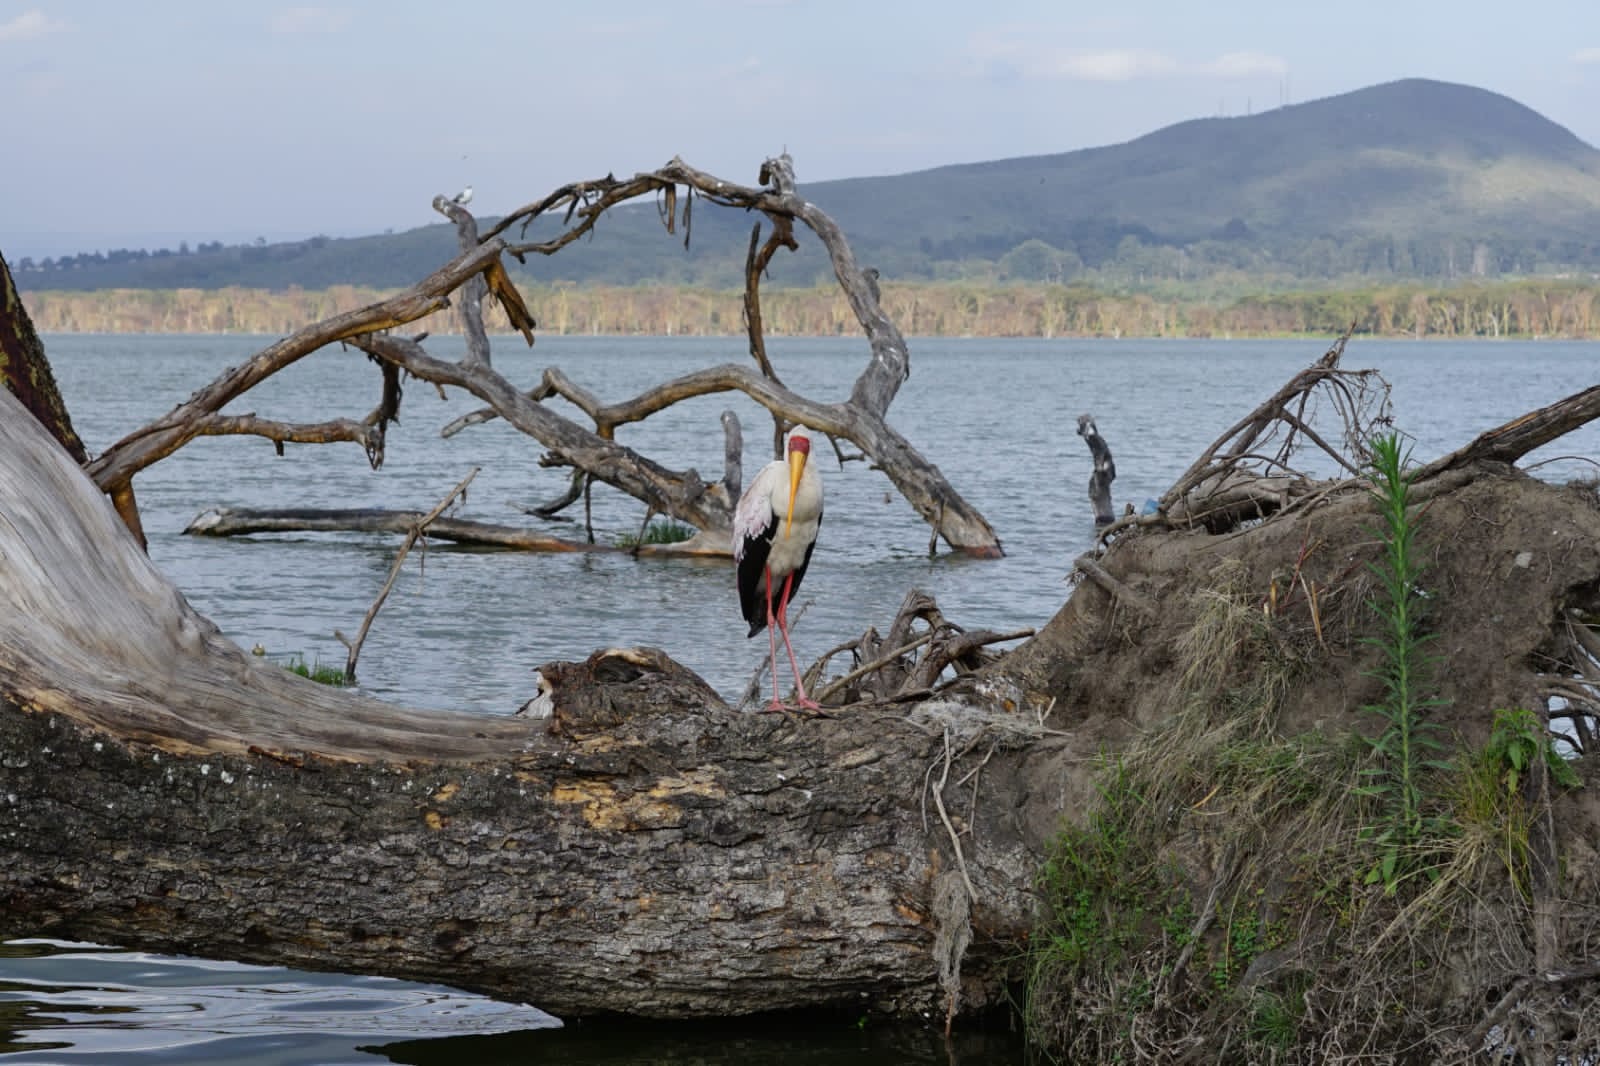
x=1408, y=744
x=660, y=531
x=315, y=671
x=1518, y=741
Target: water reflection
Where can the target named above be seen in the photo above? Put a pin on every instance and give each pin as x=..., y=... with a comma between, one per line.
x=66, y=1003
x=824, y=1041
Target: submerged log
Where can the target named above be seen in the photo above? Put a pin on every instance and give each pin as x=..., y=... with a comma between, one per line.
x=245, y=521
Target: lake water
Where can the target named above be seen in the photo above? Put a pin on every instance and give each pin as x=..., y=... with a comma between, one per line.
x=466, y=629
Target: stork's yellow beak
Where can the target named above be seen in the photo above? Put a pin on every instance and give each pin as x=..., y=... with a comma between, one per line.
x=797, y=466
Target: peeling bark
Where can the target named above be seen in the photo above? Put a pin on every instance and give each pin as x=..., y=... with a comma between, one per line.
x=25, y=371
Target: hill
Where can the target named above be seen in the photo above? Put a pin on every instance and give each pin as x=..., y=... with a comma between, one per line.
x=1412, y=178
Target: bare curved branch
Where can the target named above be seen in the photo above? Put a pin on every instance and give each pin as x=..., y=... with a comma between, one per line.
x=116, y=466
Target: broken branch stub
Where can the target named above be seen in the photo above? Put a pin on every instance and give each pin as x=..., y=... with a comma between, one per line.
x=1105, y=471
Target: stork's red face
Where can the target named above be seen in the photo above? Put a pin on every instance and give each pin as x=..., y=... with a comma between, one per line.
x=799, y=450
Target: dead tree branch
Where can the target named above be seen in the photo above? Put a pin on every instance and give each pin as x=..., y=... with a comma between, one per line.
x=1105, y=471
x=478, y=272
x=369, y=436
x=418, y=528
x=899, y=672
x=1250, y=471
x=1510, y=442
x=862, y=419
x=115, y=468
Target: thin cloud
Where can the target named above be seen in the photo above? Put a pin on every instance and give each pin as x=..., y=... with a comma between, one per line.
x=1117, y=64
x=1586, y=56
x=1244, y=65
x=310, y=20
x=29, y=25
x=1012, y=55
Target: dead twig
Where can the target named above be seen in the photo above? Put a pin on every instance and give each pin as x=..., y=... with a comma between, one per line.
x=394, y=572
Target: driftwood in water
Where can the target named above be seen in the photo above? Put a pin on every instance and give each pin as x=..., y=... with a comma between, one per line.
x=862, y=419
x=478, y=271
x=244, y=521
x=1105, y=471
x=642, y=849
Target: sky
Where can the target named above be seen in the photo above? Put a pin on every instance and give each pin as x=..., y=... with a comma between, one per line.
x=143, y=124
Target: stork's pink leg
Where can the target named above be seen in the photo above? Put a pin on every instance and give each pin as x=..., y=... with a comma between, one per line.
x=772, y=643
x=783, y=627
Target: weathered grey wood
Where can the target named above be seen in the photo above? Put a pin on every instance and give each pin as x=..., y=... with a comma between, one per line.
x=118, y=464
x=862, y=420
x=25, y=371
x=732, y=455
x=1105, y=471
x=1510, y=442
x=644, y=850
x=684, y=495
x=469, y=299
x=244, y=521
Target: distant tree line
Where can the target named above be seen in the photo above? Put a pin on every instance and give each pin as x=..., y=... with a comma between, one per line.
x=1527, y=308
x=1117, y=257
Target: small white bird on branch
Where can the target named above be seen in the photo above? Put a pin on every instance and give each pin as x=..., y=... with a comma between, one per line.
x=464, y=197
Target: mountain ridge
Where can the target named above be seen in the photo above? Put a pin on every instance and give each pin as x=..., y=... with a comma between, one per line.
x=1411, y=178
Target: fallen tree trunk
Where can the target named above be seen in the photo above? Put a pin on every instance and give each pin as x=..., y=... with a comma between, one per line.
x=644, y=850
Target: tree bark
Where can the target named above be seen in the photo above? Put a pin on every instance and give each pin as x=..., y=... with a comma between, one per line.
x=643, y=850
x=26, y=372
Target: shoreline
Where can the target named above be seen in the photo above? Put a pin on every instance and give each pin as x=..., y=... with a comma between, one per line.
x=1554, y=309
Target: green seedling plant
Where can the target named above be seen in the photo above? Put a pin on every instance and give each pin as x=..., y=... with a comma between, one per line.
x=660, y=531
x=1518, y=741
x=315, y=671
x=1408, y=745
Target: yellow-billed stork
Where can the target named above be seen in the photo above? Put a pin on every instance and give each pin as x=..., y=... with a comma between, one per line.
x=774, y=530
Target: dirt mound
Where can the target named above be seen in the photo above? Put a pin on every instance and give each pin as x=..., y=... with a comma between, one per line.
x=1223, y=890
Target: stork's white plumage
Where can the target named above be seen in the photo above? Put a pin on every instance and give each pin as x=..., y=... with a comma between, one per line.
x=774, y=530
